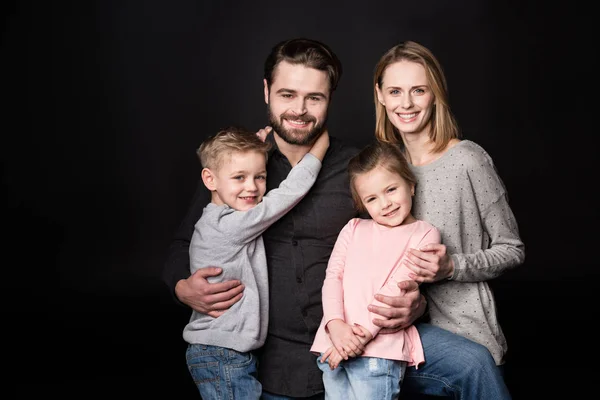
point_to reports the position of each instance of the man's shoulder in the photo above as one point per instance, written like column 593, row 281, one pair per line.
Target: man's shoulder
column 341, row 148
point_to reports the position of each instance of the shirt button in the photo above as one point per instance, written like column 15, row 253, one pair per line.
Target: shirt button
column 294, row 243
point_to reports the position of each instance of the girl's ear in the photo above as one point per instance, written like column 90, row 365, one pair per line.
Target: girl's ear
column 209, row 179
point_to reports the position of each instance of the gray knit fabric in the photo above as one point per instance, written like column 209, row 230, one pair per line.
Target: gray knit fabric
column 462, row 195
column 230, row 239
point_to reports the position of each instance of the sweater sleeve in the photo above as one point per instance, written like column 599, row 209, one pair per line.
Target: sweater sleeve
column 332, row 290
column 245, row 226
column 505, row 248
column 398, row 274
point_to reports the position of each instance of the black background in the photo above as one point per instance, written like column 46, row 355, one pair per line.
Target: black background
column 105, row 103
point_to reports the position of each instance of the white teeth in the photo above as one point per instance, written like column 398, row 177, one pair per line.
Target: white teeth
column 407, row 116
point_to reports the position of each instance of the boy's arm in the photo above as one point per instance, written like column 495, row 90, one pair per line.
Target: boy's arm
column 245, row 226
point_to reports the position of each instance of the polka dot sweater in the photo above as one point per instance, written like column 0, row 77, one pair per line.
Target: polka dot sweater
column 462, row 195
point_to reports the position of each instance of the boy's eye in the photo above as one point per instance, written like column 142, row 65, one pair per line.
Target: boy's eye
column 239, row 177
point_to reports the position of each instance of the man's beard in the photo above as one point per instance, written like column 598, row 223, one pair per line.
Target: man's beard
column 300, row 137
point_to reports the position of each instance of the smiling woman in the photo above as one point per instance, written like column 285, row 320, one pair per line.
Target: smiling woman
column 458, row 191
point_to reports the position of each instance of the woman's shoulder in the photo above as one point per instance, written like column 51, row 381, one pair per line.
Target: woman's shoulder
column 472, row 154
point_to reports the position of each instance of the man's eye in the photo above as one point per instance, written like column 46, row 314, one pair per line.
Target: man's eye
column 314, row 98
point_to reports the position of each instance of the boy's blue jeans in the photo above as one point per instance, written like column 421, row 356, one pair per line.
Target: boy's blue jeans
column 221, row 373
column 362, row 378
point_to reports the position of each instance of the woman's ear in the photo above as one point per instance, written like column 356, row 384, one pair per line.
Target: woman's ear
column 379, row 94
column 209, row 179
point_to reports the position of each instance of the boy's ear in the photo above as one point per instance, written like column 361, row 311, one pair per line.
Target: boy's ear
column 209, row 179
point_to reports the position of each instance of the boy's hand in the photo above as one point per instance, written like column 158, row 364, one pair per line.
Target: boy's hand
column 264, row 132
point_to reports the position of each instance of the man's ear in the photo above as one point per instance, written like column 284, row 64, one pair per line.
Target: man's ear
column 379, row 94
column 209, row 179
column 266, row 91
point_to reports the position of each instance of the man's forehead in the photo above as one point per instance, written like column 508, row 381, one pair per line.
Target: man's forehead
column 300, row 78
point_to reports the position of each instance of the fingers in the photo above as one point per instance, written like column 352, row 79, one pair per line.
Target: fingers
column 408, row 286
column 326, row 354
column 357, row 330
column 225, row 305
column 264, row 132
column 208, row 271
column 434, row 247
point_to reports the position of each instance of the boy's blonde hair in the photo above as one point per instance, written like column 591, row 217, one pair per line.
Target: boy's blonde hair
column 378, row 153
column 232, row 139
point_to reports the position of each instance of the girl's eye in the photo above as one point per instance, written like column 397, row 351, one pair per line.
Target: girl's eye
column 261, row 177
column 390, row 190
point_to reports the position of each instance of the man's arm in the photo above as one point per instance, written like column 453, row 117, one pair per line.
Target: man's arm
column 403, row 310
column 195, row 291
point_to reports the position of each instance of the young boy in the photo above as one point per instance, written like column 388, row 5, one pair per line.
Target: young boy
column 228, row 235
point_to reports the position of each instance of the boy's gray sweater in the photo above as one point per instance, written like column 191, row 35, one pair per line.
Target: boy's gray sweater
column 230, row 239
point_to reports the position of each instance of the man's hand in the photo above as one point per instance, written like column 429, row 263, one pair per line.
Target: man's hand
column 403, row 310
column 208, row 298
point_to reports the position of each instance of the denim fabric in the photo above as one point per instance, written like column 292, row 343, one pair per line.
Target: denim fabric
column 273, row 396
column 363, row 378
column 455, row 367
column 221, row 373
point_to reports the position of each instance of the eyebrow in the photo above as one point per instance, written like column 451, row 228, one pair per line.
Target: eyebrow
column 412, row 87
column 311, row 94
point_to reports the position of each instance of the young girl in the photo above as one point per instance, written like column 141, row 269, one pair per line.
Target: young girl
column 368, row 259
column 459, row 192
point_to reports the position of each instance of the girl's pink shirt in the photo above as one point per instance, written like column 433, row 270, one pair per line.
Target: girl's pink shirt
column 367, row 259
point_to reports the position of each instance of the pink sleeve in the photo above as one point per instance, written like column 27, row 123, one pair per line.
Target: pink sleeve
column 398, row 274
column 333, row 291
